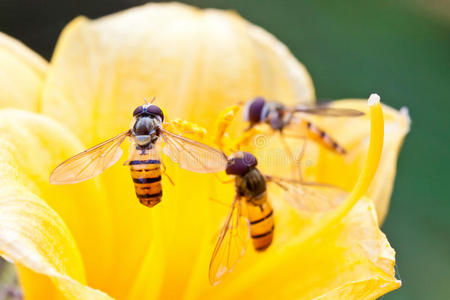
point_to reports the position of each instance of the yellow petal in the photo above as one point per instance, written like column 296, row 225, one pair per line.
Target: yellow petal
column 32, row 232
column 191, row 60
column 352, row 134
column 22, row 73
column 195, row 62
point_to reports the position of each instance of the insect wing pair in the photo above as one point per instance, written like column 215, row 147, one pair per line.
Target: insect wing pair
column 326, row 110
column 190, row 155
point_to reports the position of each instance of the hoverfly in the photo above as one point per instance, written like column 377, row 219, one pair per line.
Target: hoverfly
column 279, row 117
column 144, row 160
column 251, row 214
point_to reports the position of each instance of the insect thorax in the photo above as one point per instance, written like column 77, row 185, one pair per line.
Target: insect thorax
column 146, row 130
column 275, row 115
column 251, row 185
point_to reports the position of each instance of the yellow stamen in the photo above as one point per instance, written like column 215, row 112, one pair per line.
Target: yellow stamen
column 185, row 127
column 245, row 139
column 368, row 171
column 221, row 138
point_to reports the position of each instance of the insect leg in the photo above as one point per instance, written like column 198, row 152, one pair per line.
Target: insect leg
column 299, row 159
column 164, row 173
column 219, row 202
column 290, row 155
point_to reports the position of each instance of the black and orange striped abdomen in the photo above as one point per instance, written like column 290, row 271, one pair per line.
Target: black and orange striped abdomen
column 146, row 176
column 319, row 136
column 262, row 223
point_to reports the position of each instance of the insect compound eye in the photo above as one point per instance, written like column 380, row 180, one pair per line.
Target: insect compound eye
column 249, row 160
column 241, row 165
column 155, row 110
column 253, row 109
column 138, row 111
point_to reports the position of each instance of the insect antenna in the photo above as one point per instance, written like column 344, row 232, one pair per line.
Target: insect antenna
column 149, row 102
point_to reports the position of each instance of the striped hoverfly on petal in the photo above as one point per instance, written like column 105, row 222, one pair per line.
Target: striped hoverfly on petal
column 144, row 160
column 288, row 120
column 251, row 216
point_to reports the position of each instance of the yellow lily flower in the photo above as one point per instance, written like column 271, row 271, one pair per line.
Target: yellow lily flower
column 94, row 240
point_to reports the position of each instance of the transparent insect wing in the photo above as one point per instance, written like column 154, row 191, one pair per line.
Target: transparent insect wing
column 191, row 155
column 310, row 196
column 314, row 198
column 89, row 163
column 329, row 111
column 231, row 244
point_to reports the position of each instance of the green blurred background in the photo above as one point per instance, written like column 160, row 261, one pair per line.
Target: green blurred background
column 399, row 49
